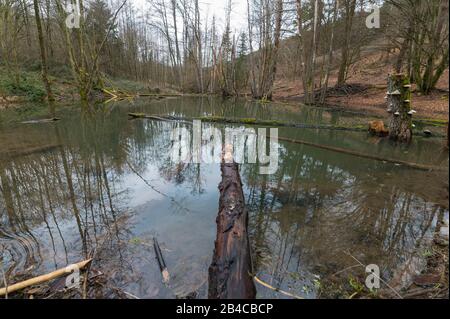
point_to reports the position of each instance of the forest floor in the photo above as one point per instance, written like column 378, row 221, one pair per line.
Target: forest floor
column 366, row 88
column 24, row 93
column 364, row 92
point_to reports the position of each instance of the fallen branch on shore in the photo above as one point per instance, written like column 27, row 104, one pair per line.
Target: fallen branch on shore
column 43, row 278
column 229, row 272
column 119, row 95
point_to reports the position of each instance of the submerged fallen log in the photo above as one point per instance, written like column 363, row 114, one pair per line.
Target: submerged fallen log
column 44, row 278
column 246, row 121
column 14, row 153
column 119, row 95
column 418, row 166
column 275, row 123
column 50, row 120
column 231, row 267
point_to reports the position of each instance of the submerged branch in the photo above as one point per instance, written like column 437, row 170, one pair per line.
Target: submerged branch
column 262, row 283
column 162, row 264
column 172, row 199
column 9, row 154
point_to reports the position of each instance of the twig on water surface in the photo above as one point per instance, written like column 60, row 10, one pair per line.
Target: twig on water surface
column 94, row 253
column 345, row 269
column 119, row 290
column 353, row 295
column 259, row 281
column 124, row 292
column 162, row 264
column 130, row 295
column 172, row 199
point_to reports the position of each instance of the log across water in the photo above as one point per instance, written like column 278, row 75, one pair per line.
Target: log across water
column 231, row 267
column 424, row 167
column 246, row 121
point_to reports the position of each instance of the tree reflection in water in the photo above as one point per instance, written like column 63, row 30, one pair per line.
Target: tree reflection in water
column 111, row 186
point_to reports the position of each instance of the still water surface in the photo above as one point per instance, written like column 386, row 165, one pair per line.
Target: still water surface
column 111, row 185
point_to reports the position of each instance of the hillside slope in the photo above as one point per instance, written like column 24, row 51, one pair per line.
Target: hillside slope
column 367, row 84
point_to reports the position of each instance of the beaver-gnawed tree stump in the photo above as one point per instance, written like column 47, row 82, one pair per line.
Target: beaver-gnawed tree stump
column 229, row 272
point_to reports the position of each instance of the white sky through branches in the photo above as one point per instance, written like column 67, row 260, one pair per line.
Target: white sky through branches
column 214, row 7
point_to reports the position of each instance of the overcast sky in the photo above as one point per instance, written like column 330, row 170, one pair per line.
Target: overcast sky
column 217, row 8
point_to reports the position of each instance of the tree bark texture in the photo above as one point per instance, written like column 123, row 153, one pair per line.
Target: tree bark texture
column 399, row 107
column 231, row 267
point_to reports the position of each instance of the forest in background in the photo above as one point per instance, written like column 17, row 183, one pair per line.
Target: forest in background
column 341, row 194
column 175, row 45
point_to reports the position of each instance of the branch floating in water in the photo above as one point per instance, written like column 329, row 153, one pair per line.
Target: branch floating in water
column 162, row 264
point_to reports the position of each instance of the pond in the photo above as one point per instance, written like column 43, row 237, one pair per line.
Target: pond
column 108, row 186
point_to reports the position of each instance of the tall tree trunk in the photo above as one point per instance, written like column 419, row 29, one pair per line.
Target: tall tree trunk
column 44, row 68
column 177, row 44
column 276, row 48
column 251, row 54
column 323, row 93
column 301, row 49
column 310, row 67
column 350, row 6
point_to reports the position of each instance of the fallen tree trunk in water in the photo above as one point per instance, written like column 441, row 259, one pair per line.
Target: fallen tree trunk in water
column 118, row 95
column 246, row 121
column 53, row 119
column 231, row 267
column 44, row 278
column 10, row 154
column 417, row 166
column 274, row 123
column 423, row 167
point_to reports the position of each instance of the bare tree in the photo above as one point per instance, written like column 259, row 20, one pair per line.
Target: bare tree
column 44, row 67
column 349, row 13
column 421, row 31
column 324, row 88
column 267, row 21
